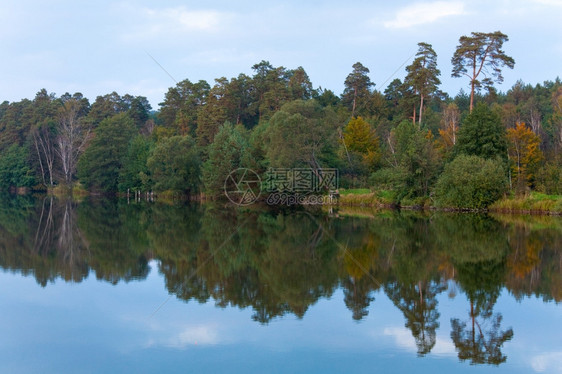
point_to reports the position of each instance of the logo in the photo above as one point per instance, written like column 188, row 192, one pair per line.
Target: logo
column 242, row 186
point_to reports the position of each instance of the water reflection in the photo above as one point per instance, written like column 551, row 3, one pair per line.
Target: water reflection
column 283, row 262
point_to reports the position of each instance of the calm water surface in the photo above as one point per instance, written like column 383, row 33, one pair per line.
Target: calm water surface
column 107, row 287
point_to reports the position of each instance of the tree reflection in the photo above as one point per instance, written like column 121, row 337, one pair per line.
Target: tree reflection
column 279, row 262
column 272, row 262
column 483, row 344
column 45, row 241
column 480, row 340
column 415, row 282
column 116, row 239
column 359, row 258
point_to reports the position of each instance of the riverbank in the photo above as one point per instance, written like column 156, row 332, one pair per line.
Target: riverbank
column 533, row 203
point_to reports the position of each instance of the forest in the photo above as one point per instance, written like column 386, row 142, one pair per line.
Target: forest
column 409, row 141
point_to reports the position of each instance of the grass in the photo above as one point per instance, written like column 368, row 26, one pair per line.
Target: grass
column 61, row 190
column 364, row 197
column 535, row 202
column 354, row 191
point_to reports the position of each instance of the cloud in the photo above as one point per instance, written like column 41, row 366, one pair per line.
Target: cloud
column 156, row 24
column 422, row 13
column 194, row 335
column 404, row 339
column 168, row 335
column 551, row 362
column 180, row 17
column 549, row 2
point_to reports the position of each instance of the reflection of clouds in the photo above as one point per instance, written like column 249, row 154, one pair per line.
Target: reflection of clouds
column 547, row 362
column 194, row 335
column 444, row 347
column 172, row 337
column 404, row 339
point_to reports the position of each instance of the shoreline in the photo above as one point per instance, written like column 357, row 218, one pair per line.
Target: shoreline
column 522, row 206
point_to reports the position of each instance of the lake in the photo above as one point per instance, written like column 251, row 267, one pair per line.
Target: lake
column 114, row 286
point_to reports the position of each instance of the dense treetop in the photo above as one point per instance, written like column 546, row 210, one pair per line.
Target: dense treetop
column 397, row 138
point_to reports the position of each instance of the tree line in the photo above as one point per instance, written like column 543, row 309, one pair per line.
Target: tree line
column 409, row 138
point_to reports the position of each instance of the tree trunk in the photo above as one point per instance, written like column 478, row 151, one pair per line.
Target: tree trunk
column 354, row 101
column 472, row 82
column 421, row 109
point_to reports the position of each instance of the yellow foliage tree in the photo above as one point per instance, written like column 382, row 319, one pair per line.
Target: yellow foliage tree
column 525, row 153
column 449, row 128
column 361, row 139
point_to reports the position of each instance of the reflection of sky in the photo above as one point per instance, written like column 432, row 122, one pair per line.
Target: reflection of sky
column 96, row 327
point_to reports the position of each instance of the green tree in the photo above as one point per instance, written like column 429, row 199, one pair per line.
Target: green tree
column 106, row 106
column 271, row 89
column 174, row 165
column 549, row 178
column 423, row 74
column 482, row 134
column 214, row 113
column 299, row 84
column 301, row 134
column 471, row 182
column 139, row 111
column 227, row 153
column 481, row 53
column 134, row 174
column 14, row 168
column 181, row 103
column 357, row 90
column 100, row 165
column 413, row 162
column 393, row 95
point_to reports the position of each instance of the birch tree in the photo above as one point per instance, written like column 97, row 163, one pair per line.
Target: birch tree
column 72, row 135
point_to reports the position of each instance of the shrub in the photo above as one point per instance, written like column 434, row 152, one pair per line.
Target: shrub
column 471, row 182
column 549, row 179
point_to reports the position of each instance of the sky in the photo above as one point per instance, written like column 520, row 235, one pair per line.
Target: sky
column 145, row 47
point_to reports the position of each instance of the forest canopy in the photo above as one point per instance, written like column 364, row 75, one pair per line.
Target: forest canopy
column 403, row 138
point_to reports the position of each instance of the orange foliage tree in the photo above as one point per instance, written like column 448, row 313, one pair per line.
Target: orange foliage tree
column 525, row 153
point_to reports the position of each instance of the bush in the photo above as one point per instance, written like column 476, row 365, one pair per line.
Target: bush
column 174, row 165
column 471, row 182
column 549, row 179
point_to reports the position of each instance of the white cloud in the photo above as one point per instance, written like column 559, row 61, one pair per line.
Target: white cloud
column 195, row 335
column 157, row 24
column 549, row 2
column 404, row 339
column 180, row 17
column 189, row 335
column 422, row 13
column 547, row 362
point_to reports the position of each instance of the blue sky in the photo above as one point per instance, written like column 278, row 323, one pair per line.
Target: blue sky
column 99, row 47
